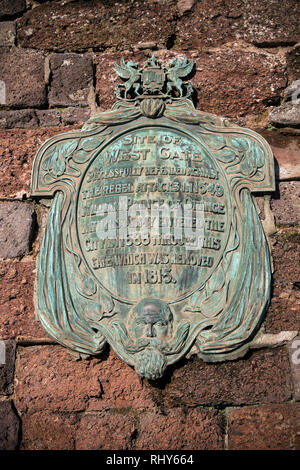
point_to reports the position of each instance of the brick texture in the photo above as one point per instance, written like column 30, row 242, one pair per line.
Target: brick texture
column 73, row 115
column 22, row 71
column 286, row 150
column 263, row 378
column 55, row 26
column 7, row 33
column 16, row 302
column 20, row 118
column 11, row 8
column 72, row 79
column 285, row 203
column 288, row 115
column 105, row 431
column 48, row 377
column 229, row 81
column 16, row 227
column 9, row 428
column 293, row 62
column 284, row 311
column 272, row 427
column 17, row 150
column 257, row 22
column 48, row 431
column 48, row 117
column 197, row 429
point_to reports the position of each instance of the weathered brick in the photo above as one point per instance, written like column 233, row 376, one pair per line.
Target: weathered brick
column 48, row 377
column 72, row 79
column 8, row 352
column 284, row 311
column 229, row 81
column 235, row 82
column 122, row 389
column 177, row 429
column 11, row 8
column 48, row 117
column 285, row 203
column 55, row 26
column 260, row 22
column 48, row 431
column 106, row 78
column 9, row 428
column 17, row 150
column 209, row 24
column 20, row 118
column 293, row 62
column 22, row 71
column 105, row 431
column 270, row 427
column 72, row 115
column 288, row 115
column 16, row 302
column 294, row 350
column 262, row 377
column 16, row 226
column 288, row 163
column 286, row 150
column 7, row 33
column 183, row 6
column 60, row 431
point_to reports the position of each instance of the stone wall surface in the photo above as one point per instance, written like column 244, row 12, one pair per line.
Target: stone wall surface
column 56, row 69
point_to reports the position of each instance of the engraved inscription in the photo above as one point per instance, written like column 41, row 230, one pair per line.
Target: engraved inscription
column 153, row 242
column 138, row 210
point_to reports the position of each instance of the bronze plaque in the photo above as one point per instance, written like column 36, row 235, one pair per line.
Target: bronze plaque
column 153, row 243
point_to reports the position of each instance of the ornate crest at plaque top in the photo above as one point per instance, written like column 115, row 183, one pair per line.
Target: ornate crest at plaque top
column 153, row 243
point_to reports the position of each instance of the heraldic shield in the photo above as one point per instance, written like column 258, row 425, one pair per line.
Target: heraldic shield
column 153, row 243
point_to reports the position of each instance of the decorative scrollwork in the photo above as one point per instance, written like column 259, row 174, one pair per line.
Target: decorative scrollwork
column 220, row 310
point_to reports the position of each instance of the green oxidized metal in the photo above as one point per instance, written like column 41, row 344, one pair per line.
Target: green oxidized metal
column 122, row 261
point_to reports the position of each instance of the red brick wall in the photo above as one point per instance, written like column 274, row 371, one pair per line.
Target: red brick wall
column 56, row 61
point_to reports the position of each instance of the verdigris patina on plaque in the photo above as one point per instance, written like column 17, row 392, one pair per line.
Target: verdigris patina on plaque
column 153, row 243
